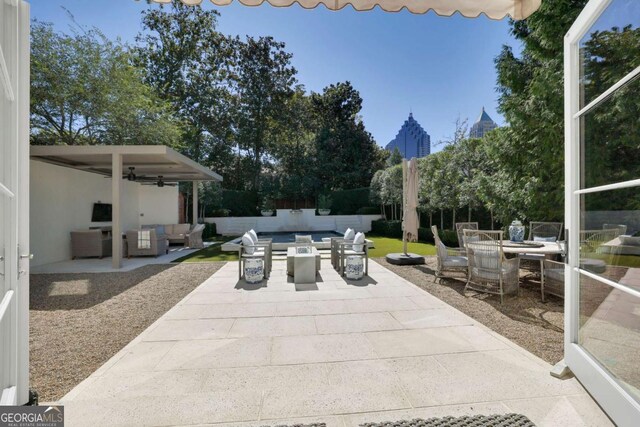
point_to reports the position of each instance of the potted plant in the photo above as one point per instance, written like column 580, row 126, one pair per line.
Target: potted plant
column 324, row 204
column 267, row 207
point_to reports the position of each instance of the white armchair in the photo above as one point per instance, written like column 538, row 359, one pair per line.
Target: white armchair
column 449, row 259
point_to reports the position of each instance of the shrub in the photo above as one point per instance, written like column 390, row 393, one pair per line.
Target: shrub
column 347, row 202
column 368, row 210
column 240, row 203
column 210, row 230
column 387, row 228
column 216, row 213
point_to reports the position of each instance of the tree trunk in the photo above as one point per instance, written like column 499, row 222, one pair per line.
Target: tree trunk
column 430, row 220
column 491, row 211
column 453, row 220
column 469, row 215
column 441, row 219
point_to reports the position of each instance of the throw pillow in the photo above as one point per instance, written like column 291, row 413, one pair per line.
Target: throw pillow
column 247, row 241
column 349, row 234
column 358, row 242
column 254, row 236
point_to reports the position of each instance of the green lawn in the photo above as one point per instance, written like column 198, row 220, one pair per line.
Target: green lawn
column 383, row 246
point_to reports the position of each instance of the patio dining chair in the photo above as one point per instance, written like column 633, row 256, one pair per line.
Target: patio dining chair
column 622, row 229
column 489, row 270
column 553, row 275
column 348, row 237
column 460, row 227
column 448, row 259
column 193, row 239
column 540, row 232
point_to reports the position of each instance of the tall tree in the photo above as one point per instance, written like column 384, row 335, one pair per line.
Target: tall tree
column 346, row 154
column 264, row 85
column 529, row 153
column 190, row 64
column 85, row 90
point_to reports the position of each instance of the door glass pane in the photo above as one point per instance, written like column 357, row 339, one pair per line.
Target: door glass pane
column 610, row 330
column 610, row 138
column 610, row 49
column 608, row 245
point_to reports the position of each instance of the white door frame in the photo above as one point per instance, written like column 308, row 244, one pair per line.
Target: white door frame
column 14, row 202
column 619, row 405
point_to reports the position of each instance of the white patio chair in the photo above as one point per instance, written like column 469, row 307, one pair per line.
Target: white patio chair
column 358, row 246
column 489, row 270
column 553, row 279
column 448, row 259
column 252, row 247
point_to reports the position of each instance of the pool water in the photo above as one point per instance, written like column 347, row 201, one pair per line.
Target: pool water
column 290, row 236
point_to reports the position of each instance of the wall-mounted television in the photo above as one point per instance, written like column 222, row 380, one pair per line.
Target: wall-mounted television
column 101, row 212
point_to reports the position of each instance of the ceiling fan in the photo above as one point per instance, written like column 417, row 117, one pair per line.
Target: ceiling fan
column 161, row 183
column 131, row 176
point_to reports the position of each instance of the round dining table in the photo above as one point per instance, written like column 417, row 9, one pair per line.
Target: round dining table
column 533, row 247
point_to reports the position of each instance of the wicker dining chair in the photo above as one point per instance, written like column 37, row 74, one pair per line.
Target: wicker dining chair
column 545, row 231
column 553, row 275
column 460, row 227
column 489, row 270
column 622, row 229
column 448, row 259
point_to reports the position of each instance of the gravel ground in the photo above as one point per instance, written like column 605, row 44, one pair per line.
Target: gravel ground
column 79, row 321
column 526, row 320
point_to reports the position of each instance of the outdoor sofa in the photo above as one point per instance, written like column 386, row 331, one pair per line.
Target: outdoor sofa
column 175, row 233
column 139, row 245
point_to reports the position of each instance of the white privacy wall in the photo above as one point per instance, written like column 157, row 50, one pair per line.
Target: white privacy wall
column 62, row 200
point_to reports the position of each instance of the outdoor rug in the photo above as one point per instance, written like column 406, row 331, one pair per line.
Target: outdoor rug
column 507, row 420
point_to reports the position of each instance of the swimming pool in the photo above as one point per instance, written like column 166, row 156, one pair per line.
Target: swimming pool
column 290, row 236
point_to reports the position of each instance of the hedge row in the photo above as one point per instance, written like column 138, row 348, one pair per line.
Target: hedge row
column 393, row 229
column 240, row 203
column 349, row 202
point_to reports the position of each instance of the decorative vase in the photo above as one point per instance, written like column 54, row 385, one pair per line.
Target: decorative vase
column 516, row 231
column 354, row 268
column 253, row 270
column 266, row 213
column 324, row 211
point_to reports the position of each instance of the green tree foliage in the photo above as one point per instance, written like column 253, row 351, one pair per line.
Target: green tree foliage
column 189, row 64
column 85, row 90
column 346, row 155
column 265, row 82
column 395, row 157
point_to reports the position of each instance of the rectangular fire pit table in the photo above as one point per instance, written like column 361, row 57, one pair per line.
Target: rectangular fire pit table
column 303, row 258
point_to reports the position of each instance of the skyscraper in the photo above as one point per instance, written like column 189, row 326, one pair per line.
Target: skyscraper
column 412, row 140
column 483, row 125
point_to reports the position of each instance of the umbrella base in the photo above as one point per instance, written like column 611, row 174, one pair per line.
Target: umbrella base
column 404, row 259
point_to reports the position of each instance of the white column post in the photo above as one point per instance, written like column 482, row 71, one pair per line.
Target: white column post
column 195, row 202
column 116, row 225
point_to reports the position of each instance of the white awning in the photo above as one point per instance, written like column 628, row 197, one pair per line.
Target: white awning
column 494, row 9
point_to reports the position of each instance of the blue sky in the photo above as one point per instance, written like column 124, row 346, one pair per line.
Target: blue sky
column 439, row 68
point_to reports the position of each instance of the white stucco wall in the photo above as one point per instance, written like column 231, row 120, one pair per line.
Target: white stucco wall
column 290, row 220
column 62, row 200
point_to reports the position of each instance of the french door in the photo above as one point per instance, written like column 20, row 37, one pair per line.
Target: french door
column 602, row 205
column 14, row 202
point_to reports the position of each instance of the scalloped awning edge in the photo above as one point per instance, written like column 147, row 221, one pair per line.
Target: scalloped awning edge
column 493, row 9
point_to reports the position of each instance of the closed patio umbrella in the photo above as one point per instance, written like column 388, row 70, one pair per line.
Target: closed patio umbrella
column 409, row 215
column 494, row 9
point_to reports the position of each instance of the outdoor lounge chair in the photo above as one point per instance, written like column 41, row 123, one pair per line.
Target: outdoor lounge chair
column 139, row 245
column 358, row 246
column 449, row 259
column 348, row 236
column 253, row 248
column 489, row 270
column 460, row 227
column 89, row 243
column 193, row 239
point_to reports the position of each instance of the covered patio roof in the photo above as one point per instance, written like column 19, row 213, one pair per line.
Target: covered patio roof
column 149, row 161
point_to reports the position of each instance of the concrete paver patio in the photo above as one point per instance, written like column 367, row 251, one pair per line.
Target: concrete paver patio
column 340, row 352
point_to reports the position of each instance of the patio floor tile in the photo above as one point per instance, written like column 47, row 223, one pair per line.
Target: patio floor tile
column 566, row 411
column 210, row 354
column 320, row 348
column 189, row 329
column 431, row 318
column 273, row 327
column 356, row 322
column 222, row 311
